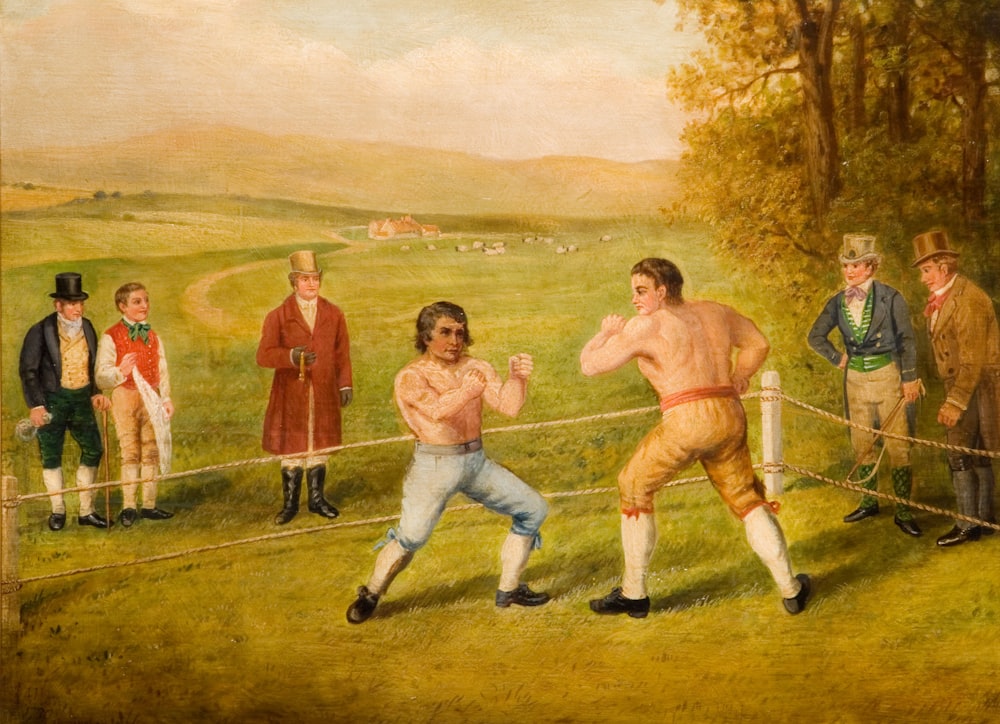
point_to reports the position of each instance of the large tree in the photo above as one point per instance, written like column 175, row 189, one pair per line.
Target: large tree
column 817, row 117
column 967, row 37
column 751, row 45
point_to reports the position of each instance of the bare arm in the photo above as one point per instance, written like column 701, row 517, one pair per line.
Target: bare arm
column 753, row 349
column 508, row 397
column 616, row 344
column 414, row 391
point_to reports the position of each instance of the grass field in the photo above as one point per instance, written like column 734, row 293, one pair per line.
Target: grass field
column 897, row 631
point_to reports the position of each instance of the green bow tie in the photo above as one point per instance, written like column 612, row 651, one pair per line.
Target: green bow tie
column 139, row 329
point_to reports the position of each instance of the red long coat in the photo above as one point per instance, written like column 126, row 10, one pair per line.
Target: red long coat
column 286, row 423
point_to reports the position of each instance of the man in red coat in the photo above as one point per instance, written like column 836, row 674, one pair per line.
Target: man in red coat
column 305, row 342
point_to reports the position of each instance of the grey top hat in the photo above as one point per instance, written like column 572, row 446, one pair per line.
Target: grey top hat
column 69, row 287
column 858, row 248
column 931, row 243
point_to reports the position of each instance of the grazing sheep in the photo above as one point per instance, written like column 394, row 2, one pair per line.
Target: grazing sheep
column 477, row 245
column 571, row 247
column 498, row 245
column 431, row 247
column 491, row 252
column 461, row 247
column 404, row 247
column 560, row 249
column 606, row 237
column 548, row 240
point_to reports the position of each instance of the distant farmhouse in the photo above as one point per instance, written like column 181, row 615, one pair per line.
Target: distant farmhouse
column 405, row 227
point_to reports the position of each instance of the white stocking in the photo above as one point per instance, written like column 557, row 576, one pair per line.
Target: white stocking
column 84, row 479
column 638, row 543
column 53, row 480
column 514, row 559
column 768, row 542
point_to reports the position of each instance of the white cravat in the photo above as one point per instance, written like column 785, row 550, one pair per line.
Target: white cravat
column 857, row 306
column 71, row 329
column 308, row 309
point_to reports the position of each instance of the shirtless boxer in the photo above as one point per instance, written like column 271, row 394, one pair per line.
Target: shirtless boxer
column 440, row 396
column 685, row 350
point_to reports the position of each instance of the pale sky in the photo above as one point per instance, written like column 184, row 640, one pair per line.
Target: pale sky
column 500, row 78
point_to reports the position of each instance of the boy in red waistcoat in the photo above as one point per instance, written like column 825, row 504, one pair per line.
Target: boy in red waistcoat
column 131, row 362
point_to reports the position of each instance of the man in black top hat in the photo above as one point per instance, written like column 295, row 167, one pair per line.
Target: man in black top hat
column 57, row 377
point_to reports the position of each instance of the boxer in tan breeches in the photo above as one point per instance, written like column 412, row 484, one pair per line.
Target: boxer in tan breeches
column 686, row 351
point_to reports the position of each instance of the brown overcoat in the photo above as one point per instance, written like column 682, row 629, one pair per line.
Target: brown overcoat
column 286, row 422
column 966, row 345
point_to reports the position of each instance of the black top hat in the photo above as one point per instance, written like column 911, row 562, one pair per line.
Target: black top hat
column 68, row 288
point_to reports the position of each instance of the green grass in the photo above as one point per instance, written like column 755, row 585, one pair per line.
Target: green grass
column 256, row 633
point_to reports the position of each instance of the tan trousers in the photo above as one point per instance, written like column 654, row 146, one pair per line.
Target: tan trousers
column 870, row 398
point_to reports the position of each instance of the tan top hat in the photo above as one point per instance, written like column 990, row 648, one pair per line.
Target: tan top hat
column 931, row 243
column 858, row 248
column 304, row 262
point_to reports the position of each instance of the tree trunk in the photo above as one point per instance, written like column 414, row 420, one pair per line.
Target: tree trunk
column 974, row 138
column 821, row 144
column 859, row 75
column 898, row 91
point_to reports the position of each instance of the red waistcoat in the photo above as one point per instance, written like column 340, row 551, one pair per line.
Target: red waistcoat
column 147, row 355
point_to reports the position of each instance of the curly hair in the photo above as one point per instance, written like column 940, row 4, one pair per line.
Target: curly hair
column 427, row 320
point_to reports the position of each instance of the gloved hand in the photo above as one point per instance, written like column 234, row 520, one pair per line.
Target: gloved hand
column 298, row 352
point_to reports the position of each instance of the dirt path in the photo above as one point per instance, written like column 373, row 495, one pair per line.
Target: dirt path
column 195, row 300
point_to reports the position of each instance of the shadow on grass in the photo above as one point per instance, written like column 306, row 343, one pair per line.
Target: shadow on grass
column 439, row 595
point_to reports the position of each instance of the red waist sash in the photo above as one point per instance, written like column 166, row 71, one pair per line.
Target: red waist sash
column 697, row 393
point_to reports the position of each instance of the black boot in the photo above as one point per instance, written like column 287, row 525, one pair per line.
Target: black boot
column 291, row 486
column 317, row 503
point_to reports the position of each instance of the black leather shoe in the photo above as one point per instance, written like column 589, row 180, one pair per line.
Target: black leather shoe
column 615, row 602
column 363, row 607
column 797, row 604
column 957, row 536
column 860, row 514
column 95, row 520
column 128, row 516
column 57, row 521
column 909, row 527
column 155, row 514
column 522, row 596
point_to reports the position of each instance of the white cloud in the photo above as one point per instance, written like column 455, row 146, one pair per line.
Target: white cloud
column 87, row 72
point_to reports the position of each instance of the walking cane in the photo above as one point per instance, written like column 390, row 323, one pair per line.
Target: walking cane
column 107, row 468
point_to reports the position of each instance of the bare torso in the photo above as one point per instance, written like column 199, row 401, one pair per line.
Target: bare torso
column 681, row 347
column 442, row 404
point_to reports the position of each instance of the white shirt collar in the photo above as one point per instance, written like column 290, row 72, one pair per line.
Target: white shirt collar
column 947, row 287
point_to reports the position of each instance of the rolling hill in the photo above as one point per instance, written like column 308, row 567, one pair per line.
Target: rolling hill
column 226, row 160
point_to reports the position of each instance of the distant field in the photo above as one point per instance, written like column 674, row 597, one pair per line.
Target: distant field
column 256, row 633
column 19, row 198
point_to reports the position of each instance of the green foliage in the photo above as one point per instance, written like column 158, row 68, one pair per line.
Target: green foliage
column 746, row 169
